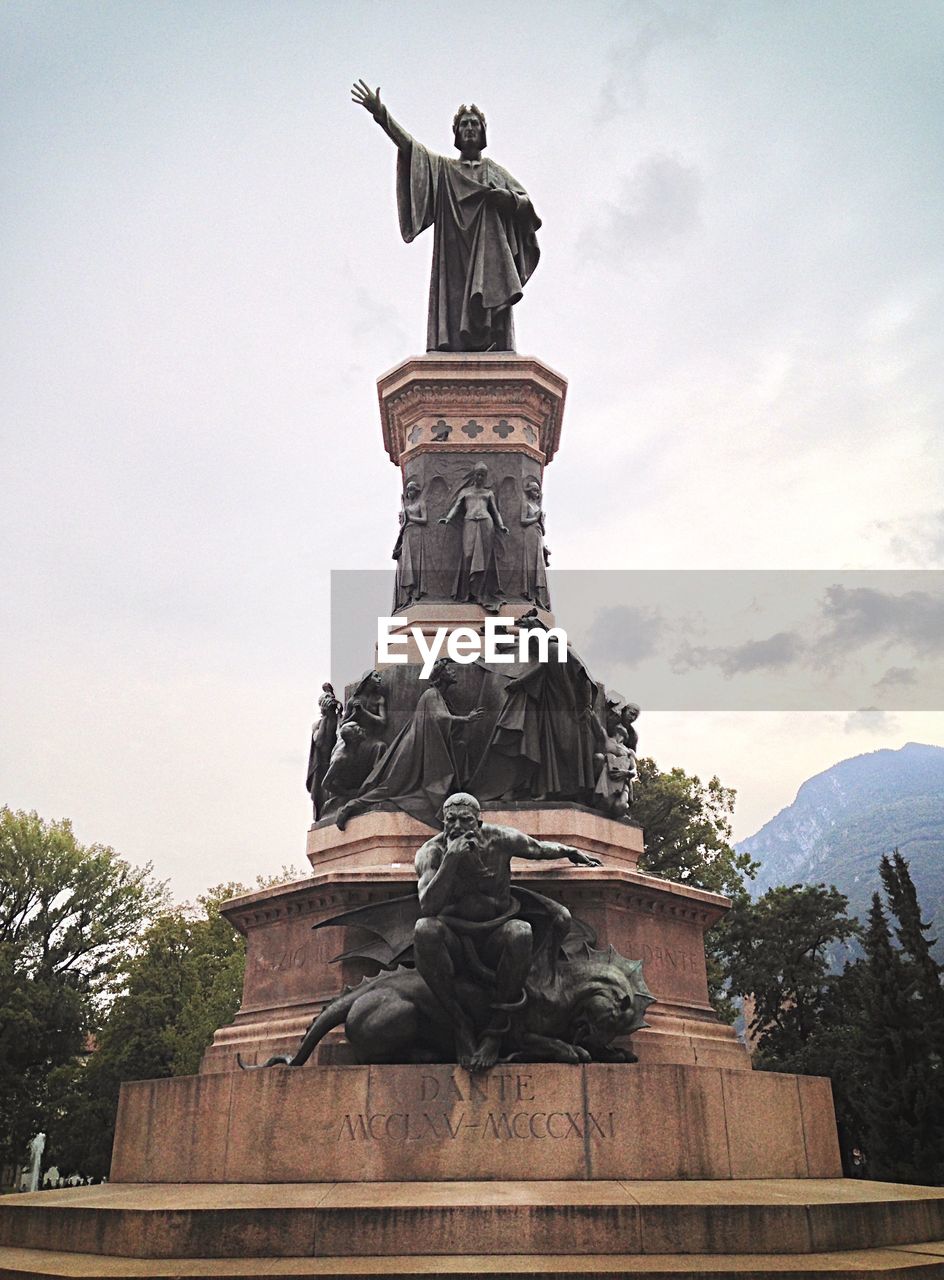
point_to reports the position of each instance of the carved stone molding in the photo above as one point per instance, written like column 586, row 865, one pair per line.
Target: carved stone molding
column 476, row 401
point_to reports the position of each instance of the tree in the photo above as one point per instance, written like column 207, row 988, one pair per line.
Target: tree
column 687, row 829
column 67, row 912
column 182, row 981
column 778, row 954
column 687, row 826
column 873, row 1029
column 902, row 1098
column 911, row 931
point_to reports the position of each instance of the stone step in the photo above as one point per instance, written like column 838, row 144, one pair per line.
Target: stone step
column 925, row 1262
column 370, row 1220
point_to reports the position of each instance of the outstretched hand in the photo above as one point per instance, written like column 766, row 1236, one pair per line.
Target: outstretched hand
column 365, row 97
column 581, row 859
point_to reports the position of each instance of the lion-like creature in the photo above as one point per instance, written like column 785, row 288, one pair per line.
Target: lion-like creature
column 591, row 999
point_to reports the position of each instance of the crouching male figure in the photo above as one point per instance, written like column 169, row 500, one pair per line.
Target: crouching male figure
column 468, row 930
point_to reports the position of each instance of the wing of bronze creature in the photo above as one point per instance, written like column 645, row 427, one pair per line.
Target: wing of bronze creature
column 580, row 941
column 537, row 910
column 391, row 923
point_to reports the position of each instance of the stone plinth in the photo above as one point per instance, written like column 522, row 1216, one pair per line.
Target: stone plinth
column 608, row 1229
column 471, row 403
column 434, row 1123
column 390, row 837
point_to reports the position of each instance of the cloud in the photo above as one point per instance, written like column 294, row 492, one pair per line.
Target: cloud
column 870, row 720
column 658, row 205
column 654, row 27
column 916, row 539
column 857, row 616
column 771, row 654
column 625, row 634
column 896, row 677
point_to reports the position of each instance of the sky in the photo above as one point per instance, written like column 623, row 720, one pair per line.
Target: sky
column 742, row 278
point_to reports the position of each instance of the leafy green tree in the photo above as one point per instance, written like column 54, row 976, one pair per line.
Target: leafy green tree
column 778, row 955
column 872, row 1028
column 687, row 829
column 67, row 913
column 687, row 826
column 183, row 981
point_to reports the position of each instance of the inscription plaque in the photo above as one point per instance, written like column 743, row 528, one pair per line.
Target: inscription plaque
column 503, row 1106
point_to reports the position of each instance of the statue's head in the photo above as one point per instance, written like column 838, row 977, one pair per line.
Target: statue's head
column 468, row 128
column 630, row 712
column 461, row 812
column 371, row 684
column 413, row 489
column 351, row 733
column 443, row 673
column 532, row 487
column 480, row 473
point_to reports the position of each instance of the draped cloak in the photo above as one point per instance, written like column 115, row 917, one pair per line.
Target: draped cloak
column 481, row 258
column 419, row 768
column 542, row 746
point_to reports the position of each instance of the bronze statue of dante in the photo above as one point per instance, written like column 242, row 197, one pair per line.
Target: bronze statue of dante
column 484, row 230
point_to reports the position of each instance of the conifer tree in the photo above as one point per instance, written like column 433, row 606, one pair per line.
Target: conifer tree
column 902, row 1103
column 912, row 931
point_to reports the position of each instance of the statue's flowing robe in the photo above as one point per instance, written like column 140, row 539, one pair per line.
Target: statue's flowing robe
column 409, row 582
column 419, row 768
column 534, row 564
column 481, row 258
column 541, row 746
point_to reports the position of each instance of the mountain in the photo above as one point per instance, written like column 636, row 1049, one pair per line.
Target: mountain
column 843, row 820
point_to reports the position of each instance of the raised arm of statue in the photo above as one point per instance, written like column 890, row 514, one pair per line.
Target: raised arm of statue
column 519, row 845
column 369, row 99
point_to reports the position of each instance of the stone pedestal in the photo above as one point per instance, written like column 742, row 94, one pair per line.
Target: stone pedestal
column 439, row 1123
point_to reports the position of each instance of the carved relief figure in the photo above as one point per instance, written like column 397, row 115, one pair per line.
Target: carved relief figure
column 534, row 554
column 410, row 584
column 477, row 576
column 484, row 242
column 420, row 767
column 360, row 742
column 352, row 760
column 616, row 765
column 367, row 705
column 324, row 733
column 628, row 718
column 542, row 745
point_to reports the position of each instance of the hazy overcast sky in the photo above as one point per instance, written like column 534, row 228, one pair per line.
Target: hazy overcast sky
column 202, row 277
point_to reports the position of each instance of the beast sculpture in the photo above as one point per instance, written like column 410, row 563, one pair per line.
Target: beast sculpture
column 394, row 1017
